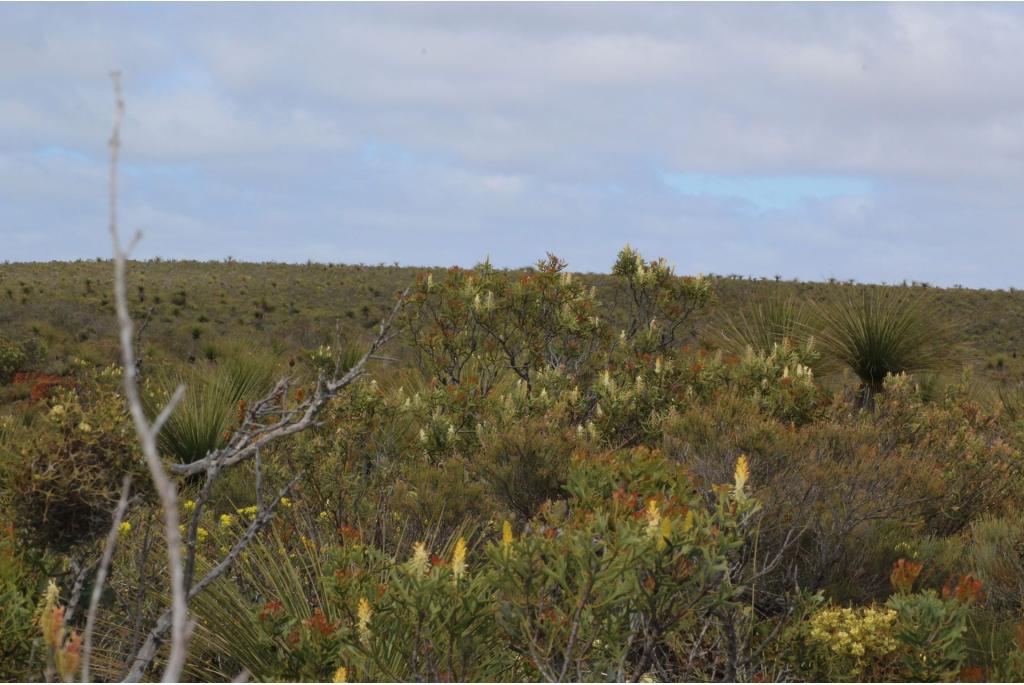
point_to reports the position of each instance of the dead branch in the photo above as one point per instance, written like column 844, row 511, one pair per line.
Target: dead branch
column 267, row 421
column 101, row 577
column 146, row 432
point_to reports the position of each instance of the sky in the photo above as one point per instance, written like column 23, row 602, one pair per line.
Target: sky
column 875, row 142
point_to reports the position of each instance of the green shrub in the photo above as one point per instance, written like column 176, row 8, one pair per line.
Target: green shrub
column 61, row 475
column 995, row 551
column 12, row 360
column 661, row 303
column 932, row 629
column 524, row 464
column 632, row 556
column 18, row 599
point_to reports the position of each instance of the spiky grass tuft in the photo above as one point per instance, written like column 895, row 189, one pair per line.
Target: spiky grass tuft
column 883, row 332
column 210, row 406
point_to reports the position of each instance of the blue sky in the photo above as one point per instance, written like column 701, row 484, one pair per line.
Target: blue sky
column 878, row 142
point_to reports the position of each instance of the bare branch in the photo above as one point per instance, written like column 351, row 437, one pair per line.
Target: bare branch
column 165, row 413
column 147, row 436
column 76, row 590
column 101, row 576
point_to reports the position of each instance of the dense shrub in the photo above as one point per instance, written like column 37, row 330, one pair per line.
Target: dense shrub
column 61, row 469
column 18, row 594
column 549, row 482
column 12, row 360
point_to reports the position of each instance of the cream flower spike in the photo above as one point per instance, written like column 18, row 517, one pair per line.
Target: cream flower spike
column 742, row 473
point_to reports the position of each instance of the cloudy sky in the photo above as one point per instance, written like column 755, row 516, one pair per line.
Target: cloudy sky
column 874, row 142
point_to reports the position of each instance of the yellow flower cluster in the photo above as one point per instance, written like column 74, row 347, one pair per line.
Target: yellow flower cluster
column 364, row 614
column 862, row 635
column 659, row 528
column 742, row 474
column 419, row 565
column 201, row 533
column 506, row 534
column 459, row 559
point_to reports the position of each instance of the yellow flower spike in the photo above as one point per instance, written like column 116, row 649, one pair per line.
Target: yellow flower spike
column 364, row 613
column 688, row 521
column 653, row 515
column 459, row 559
column 665, row 533
column 340, row 676
column 51, row 617
column 420, row 562
column 506, row 534
column 742, row 473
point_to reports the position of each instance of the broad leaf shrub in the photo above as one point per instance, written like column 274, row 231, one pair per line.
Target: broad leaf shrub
column 19, row 587
column 595, row 586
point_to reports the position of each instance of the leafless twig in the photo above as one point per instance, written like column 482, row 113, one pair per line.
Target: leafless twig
column 101, row 577
column 147, row 432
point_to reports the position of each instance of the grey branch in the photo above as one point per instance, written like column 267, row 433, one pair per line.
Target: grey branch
column 101, row 577
column 144, row 430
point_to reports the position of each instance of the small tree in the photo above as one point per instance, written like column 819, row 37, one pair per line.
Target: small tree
column 661, row 301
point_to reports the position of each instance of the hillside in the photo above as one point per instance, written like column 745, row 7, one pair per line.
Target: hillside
column 200, row 309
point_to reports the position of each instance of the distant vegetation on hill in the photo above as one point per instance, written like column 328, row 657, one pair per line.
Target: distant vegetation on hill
column 196, row 310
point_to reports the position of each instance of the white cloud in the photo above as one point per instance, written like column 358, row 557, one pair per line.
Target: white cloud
column 520, row 128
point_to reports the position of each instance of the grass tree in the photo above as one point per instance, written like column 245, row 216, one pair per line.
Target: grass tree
column 773, row 321
column 881, row 332
column 216, row 397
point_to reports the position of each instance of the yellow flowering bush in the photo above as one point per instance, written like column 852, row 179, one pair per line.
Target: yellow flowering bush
column 847, row 643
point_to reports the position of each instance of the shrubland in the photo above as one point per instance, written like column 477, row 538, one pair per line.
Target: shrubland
column 545, row 476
